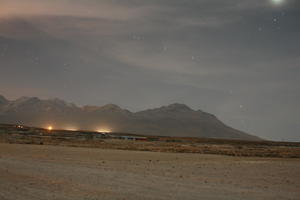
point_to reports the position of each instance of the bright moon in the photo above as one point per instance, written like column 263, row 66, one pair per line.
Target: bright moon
column 277, row 2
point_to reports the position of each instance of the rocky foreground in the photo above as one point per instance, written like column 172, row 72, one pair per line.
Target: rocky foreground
column 31, row 172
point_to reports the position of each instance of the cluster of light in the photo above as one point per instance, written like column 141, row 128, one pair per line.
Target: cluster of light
column 72, row 128
column 103, row 130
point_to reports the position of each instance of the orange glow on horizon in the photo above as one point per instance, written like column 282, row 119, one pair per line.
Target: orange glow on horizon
column 70, row 128
column 50, row 128
column 102, row 130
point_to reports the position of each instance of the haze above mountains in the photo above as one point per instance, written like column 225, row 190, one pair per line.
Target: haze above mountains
column 172, row 120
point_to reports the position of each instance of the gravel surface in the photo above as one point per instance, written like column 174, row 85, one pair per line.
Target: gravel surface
column 31, row 172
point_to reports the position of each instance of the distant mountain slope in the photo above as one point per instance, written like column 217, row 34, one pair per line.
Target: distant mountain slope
column 172, row 120
column 3, row 100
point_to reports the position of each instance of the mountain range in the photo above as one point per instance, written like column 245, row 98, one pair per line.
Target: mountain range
column 172, row 120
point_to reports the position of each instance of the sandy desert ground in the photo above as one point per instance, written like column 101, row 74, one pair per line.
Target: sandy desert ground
column 31, row 172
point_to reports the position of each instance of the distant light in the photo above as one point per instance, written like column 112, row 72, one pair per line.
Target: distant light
column 50, row 128
column 103, row 131
column 71, row 129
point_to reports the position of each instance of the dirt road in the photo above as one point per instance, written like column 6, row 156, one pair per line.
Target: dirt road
column 31, row 172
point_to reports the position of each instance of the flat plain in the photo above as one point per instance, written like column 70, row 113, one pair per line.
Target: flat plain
column 32, row 172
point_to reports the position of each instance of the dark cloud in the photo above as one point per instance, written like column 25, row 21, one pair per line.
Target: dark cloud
column 237, row 59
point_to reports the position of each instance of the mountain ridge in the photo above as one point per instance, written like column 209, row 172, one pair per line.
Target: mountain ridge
column 172, row 120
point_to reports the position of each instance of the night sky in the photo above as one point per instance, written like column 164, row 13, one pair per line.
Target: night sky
column 237, row 59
